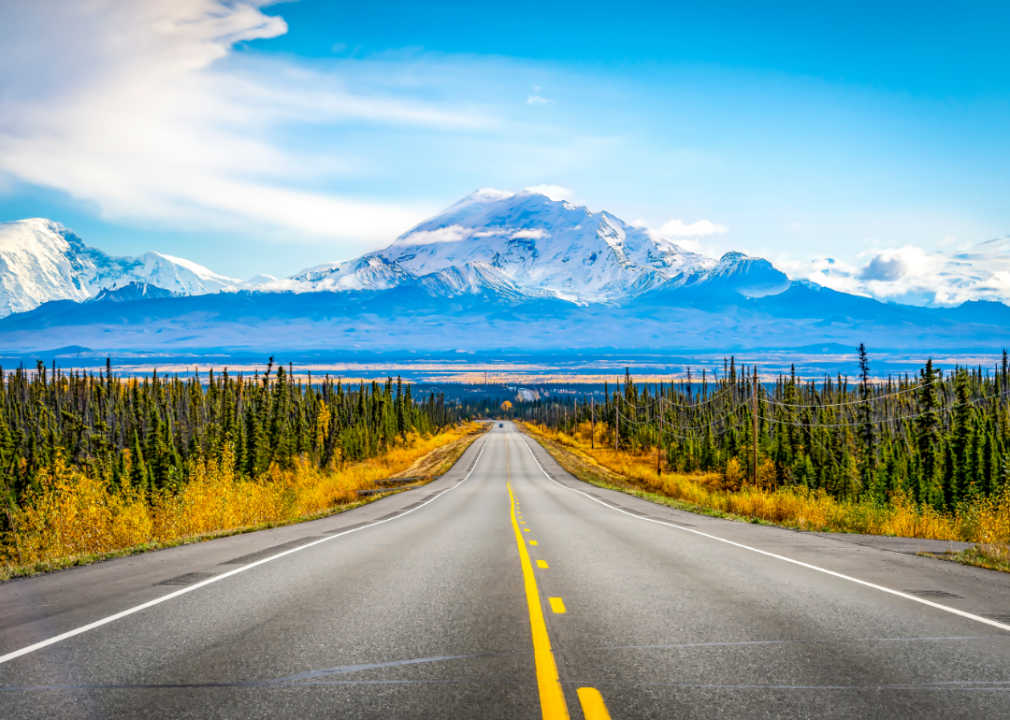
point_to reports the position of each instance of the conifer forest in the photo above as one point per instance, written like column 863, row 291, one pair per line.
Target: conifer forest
column 937, row 439
column 91, row 462
column 147, row 433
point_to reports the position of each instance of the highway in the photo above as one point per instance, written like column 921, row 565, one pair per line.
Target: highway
column 509, row 589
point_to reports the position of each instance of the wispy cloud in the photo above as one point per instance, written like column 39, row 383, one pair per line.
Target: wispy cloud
column 680, row 229
column 687, row 236
column 537, row 100
column 156, row 118
column 554, row 192
column 536, row 234
column 912, row 275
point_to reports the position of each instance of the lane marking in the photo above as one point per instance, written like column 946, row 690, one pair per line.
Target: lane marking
column 552, row 697
column 593, row 706
column 533, row 542
column 896, row 593
column 557, row 605
column 526, row 529
column 217, row 578
column 542, row 564
column 746, row 643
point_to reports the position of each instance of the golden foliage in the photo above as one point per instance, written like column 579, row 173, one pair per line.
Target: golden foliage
column 733, row 478
column 986, row 522
column 72, row 513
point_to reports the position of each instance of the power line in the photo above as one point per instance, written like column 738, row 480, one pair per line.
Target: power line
column 671, row 403
column 857, row 423
column 857, row 402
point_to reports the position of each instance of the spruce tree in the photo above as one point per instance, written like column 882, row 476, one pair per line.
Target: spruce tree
column 927, row 425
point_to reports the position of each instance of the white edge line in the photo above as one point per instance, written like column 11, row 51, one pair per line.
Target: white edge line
column 930, row 603
column 157, row 601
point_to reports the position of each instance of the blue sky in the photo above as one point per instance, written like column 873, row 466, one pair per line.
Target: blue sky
column 263, row 139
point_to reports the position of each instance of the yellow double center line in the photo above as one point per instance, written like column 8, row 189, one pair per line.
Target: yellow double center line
column 552, row 698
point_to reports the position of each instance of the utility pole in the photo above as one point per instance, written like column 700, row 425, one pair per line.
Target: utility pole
column 592, row 423
column 659, row 448
column 617, row 419
column 754, row 416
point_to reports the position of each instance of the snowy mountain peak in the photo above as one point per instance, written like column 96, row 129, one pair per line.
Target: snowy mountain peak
column 131, row 291
column 497, row 245
column 748, row 276
column 546, row 247
column 40, row 260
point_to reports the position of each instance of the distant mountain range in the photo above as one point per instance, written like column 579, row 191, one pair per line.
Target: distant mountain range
column 495, row 270
column 41, row 260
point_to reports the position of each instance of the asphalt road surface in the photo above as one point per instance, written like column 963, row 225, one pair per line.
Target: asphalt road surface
column 509, row 589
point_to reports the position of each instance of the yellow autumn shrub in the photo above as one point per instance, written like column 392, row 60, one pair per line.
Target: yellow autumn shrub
column 986, row 522
column 71, row 513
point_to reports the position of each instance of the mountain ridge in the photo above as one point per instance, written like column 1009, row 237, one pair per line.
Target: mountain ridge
column 544, row 245
column 41, row 261
column 494, row 270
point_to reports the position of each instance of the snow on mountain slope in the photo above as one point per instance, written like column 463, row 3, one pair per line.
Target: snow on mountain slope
column 130, row 292
column 175, row 274
column 543, row 245
column 475, row 279
column 41, row 261
column 748, row 276
column 499, row 246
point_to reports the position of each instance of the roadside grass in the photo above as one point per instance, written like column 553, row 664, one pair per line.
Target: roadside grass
column 586, row 468
column 990, row 557
column 78, row 520
column 986, row 523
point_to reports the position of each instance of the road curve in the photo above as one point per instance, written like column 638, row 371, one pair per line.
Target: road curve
column 509, row 589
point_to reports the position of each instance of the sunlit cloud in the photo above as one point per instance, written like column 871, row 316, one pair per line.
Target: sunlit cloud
column 916, row 276
column 554, row 192
column 680, row 229
column 156, row 118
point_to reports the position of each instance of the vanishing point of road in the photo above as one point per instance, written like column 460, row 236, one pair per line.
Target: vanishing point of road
column 509, row 589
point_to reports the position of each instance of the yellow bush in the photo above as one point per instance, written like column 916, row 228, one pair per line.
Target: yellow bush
column 72, row 513
column 733, row 477
column 987, row 522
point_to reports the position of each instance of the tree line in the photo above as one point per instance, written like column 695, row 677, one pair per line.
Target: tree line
column 939, row 439
column 148, row 431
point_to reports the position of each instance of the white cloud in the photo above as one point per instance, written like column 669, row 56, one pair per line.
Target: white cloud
column 678, row 228
column 912, row 275
column 143, row 109
column 492, row 194
column 698, row 246
column 452, row 233
column 689, row 241
column 537, row 100
column 536, row 234
column 554, row 192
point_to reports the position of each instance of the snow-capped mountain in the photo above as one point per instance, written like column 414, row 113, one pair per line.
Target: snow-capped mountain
column 130, row 292
column 496, row 270
column 748, row 276
column 41, row 260
column 502, row 247
column 539, row 245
